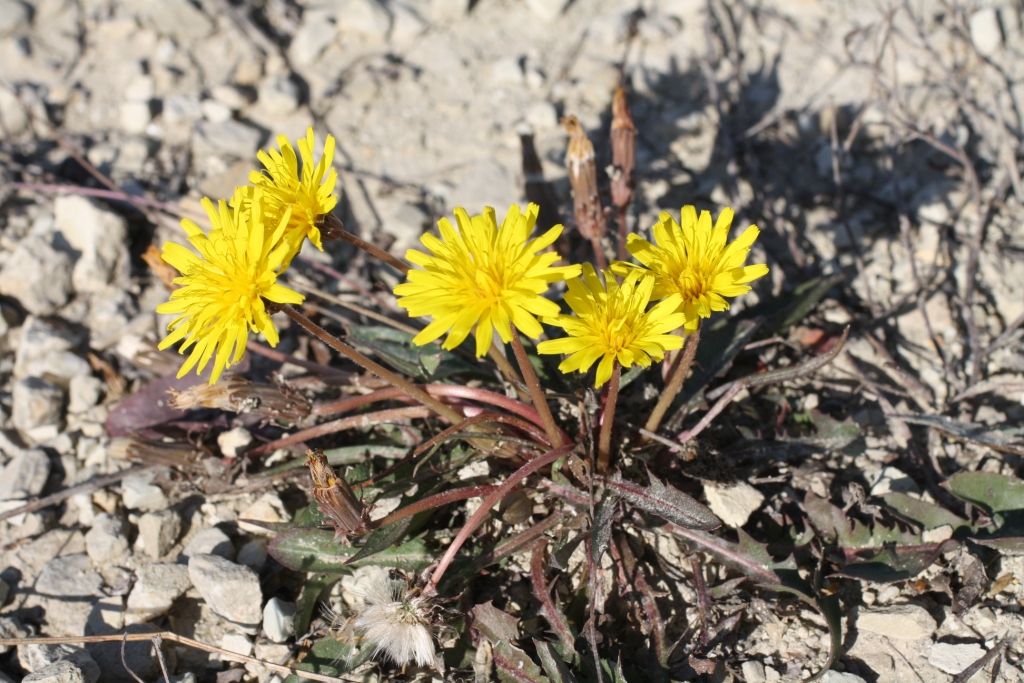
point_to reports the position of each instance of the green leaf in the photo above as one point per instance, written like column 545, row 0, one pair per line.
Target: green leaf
column 494, row 624
column 928, row 515
column 829, row 433
column 798, row 303
column 895, row 563
column 309, row 599
column 314, row 550
column 426, row 363
column 553, row 665
column 346, row 455
column 834, row 525
column 330, row 656
column 666, row 502
column 990, row 491
column 513, row 666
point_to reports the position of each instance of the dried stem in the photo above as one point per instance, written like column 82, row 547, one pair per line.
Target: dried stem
column 174, row 638
column 348, row 352
column 331, row 228
column 604, row 441
column 540, row 401
column 335, row 426
column 485, row 508
column 675, row 383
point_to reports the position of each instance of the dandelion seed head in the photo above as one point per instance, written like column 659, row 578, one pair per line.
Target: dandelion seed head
column 395, row 621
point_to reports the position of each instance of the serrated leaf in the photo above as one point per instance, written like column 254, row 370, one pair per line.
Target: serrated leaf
column 553, row 665
column 601, row 530
column 990, row 491
column 928, row 515
column 666, row 502
column 314, row 550
column 513, row 666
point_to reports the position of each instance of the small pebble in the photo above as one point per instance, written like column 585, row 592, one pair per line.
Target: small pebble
column 279, row 620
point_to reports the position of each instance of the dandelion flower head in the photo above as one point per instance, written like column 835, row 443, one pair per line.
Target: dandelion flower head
column 395, row 621
column 694, row 261
column 484, row 277
column 223, row 288
column 307, row 190
column 612, row 323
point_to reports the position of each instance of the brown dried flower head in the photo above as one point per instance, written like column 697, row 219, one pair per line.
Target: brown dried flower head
column 346, row 513
column 582, row 164
column 623, row 138
column 239, row 395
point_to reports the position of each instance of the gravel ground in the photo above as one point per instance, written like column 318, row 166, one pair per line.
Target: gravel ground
column 876, row 141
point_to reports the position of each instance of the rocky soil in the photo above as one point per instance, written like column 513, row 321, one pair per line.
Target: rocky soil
column 880, row 141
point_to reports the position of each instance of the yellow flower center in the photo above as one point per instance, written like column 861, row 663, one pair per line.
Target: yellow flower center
column 692, row 284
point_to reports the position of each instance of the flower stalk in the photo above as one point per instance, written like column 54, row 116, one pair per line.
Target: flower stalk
column 331, row 228
column 604, row 441
column 540, row 400
column 675, row 382
column 407, row 387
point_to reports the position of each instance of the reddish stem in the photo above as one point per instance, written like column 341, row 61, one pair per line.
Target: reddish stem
column 485, row 508
column 434, row 502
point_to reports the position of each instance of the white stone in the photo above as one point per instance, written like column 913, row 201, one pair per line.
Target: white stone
column 901, row 622
column 986, row 34
column 447, row 10
column 62, row 671
column 156, row 589
column 279, row 620
column 253, row 554
column 37, row 275
column 238, row 643
column 546, row 10
column 278, row 96
column 231, row 590
column 210, row 540
column 135, row 117
column 106, row 542
column 234, row 441
column 366, row 18
column 36, row 403
column 25, row 475
column 406, row 22
column 179, row 19
column 138, row 493
column 953, row 658
column 267, row 508
column 158, row 532
column 232, row 138
column 889, row 479
column 98, row 234
column 753, row 671
column 542, row 116
column 318, row 30
column 733, row 504
column 14, row 17
column 840, row 677
column 69, row 576
column 84, row 392
column 505, row 72
column 214, row 111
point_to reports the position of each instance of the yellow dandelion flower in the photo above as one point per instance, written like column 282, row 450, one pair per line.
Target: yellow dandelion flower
column 612, row 323
column 308, row 191
column 483, row 276
column 223, row 289
column 694, row 261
